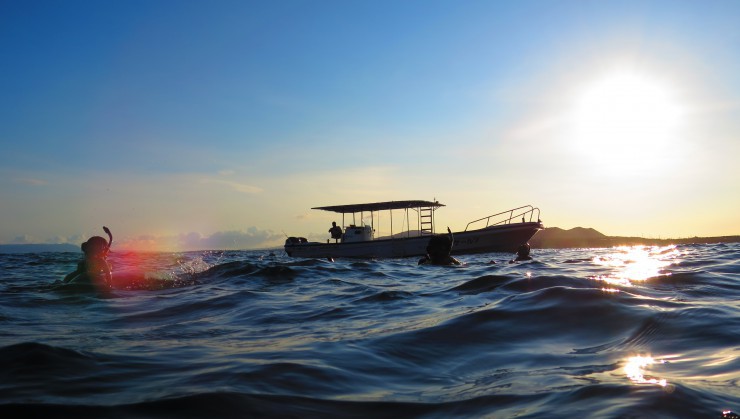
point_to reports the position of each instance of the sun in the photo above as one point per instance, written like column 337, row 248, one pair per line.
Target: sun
column 625, row 122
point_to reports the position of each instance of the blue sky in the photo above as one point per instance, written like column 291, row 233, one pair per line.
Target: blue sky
column 185, row 124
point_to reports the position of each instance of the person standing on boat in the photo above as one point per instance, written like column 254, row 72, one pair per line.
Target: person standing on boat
column 439, row 249
column 335, row 231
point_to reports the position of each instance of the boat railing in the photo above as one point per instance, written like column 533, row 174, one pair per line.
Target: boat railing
column 526, row 213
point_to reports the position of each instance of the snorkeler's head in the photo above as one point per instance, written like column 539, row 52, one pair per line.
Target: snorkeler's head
column 95, row 246
column 439, row 247
column 523, row 250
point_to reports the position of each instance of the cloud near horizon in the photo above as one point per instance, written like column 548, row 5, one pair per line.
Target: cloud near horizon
column 252, row 238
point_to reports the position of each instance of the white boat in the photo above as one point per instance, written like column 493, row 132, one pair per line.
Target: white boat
column 501, row 232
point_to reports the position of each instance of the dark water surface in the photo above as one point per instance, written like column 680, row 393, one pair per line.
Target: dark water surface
column 638, row 332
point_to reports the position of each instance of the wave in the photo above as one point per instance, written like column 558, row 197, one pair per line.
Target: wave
column 386, row 296
column 29, row 359
column 680, row 402
column 482, row 284
column 247, row 335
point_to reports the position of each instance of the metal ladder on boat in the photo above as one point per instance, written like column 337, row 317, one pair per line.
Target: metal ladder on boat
column 426, row 221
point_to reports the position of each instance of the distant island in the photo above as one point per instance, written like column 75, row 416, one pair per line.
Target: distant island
column 557, row 238
column 39, row 248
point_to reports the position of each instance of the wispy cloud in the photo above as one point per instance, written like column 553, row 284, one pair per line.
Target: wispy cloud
column 239, row 187
column 31, row 181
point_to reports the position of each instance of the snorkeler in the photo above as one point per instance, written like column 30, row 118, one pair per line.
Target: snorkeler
column 94, row 269
column 522, row 254
column 439, row 249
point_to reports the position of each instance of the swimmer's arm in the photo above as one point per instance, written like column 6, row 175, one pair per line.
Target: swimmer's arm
column 70, row 276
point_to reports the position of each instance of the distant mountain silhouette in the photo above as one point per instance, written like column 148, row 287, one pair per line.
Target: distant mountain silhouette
column 557, row 238
column 38, row 248
column 549, row 238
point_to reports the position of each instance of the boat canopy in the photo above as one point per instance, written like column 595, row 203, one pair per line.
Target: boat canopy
column 380, row 206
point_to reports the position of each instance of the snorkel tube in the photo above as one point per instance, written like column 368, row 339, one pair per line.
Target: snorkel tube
column 110, row 237
column 108, row 274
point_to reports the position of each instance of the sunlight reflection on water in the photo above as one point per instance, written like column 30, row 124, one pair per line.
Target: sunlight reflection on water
column 636, row 263
column 636, row 367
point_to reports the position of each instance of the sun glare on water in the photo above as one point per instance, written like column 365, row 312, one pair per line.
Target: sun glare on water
column 628, row 265
column 635, row 370
column 625, row 121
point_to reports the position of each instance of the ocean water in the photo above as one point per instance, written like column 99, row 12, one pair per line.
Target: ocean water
column 633, row 332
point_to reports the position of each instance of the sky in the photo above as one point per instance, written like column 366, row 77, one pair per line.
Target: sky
column 187, row 125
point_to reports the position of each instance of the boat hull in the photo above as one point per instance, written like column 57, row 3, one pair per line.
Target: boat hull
column 500, row 238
